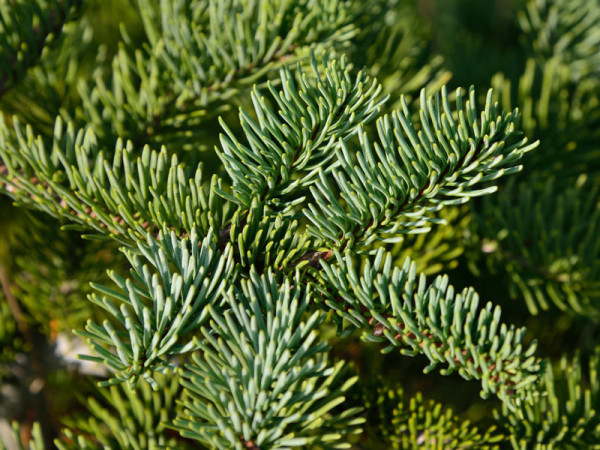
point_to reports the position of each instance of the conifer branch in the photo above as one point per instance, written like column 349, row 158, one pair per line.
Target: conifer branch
column 165, row 93
column 564, row 29
column 391, row 305
column 125, row 198
column 124, row 417
column 164, row 301
column 231, row 283
column 552, row 254
column 393, row 183
column 571, row 125
column 399, row 421
column 262, row 379
column 262, row 239
column 26, row 27
column 285, row 149
column 564, row 414
column 157, row 120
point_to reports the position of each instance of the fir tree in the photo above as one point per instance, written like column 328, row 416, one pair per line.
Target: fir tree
column 236, row 213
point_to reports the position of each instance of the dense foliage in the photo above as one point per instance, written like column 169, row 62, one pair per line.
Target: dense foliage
column 227, row 224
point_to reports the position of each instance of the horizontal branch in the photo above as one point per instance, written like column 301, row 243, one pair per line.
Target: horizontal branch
column 391, row 305
column 125, row 198
column 389, row 187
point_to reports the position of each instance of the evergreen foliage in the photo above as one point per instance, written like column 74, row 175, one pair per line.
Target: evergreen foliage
column 447, row 327
column 413, row 422
column 551, row 250
column 209, row 201
column 153, row 332
column 122, row 417
column 26, row 28
column 566, row 416
column 264, row 379
column 199, row 55
column 564, row 29
column 395, row 183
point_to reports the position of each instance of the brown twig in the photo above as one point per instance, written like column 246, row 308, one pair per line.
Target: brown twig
column 250, row 445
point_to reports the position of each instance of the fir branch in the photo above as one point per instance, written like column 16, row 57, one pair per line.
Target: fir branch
column 124, row 198
column 164, row 93
column 564, row 415
column 399, row 421
column 569, row 126
column 263, row 239
column 395, row 182
column 49, row 88
column 564, row 29
column 26, row 27
column 390, row 45
column 285, row 149
column 153, row 127
column 127, row 418
column 155, row 311
column 224, row 37
column 262, row 379
column 391, row 305
column 552, row 254
column 439, row 250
